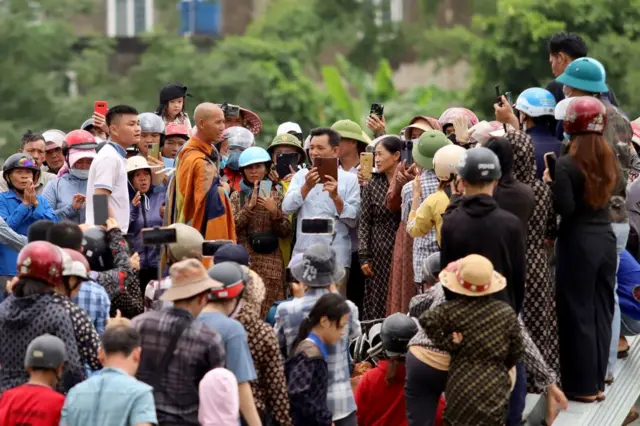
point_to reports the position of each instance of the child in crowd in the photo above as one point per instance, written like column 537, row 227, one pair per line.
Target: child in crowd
column 306, row 370
column 425, row 216
column 380, row 393
column 219, row 403
column 484, row 339
column 36, row 402
column 172, row 104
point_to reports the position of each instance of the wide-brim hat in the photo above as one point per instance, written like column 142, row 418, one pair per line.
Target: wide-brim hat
column 286, row 139
column 188, row 278
column 138, row 163
column 318, row 267
column 433, row 123
column 250, row 120
column 472, row 276
column 351, row 130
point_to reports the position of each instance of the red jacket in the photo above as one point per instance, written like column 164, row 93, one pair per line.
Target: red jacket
column 380, row 404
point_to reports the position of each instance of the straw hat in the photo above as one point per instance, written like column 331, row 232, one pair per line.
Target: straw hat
column 138, row 162
column 188, row 278
column 472, row 276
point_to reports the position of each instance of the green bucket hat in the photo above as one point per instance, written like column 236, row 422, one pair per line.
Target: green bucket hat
column 287, row 140
column 428, row 144
column 350, row 130
column 585, row 74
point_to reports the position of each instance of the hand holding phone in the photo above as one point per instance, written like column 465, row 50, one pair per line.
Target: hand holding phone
column 285, row 162
column 406, row 154
column 326, row 167
column 377, row 110
column 154, row 150
column 158, row 236
column 317, row 226
column 265, row 188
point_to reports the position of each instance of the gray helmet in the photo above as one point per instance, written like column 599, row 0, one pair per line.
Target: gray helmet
column 397, row 331
column 431, row 268
column 188, row 243
column 151, row 123
column 46, row 352
column 479, row 164
column 87, row 124
column 239, row 137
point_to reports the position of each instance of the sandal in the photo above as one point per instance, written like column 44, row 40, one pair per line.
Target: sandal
column 623, row 348
column 608, row 380
column 631, row 417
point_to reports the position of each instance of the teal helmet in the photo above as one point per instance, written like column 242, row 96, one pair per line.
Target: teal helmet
column 586, row 74
column 254, row 155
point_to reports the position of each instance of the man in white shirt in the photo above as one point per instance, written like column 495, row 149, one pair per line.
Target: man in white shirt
column 338, row 200
column 108, row 172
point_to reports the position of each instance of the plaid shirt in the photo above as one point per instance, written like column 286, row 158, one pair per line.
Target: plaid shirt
column 422, row 247
column 95, row 301
column 289, row 316
column 199, row 350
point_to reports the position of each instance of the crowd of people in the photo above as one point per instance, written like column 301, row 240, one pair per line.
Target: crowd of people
column 427, row 278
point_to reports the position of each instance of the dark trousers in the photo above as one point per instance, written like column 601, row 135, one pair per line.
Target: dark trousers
column 518, row 397
column 146, row 275
column 422, row 390
column 585, row 275
column 355, row 286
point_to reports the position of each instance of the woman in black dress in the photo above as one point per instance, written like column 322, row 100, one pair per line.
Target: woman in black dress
column 586, row 250
column 378, row 227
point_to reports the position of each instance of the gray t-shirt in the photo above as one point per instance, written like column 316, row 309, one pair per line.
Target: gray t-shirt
column 234, row 337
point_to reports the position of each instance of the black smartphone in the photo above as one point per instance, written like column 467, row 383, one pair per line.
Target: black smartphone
column 499, row 94
column 230, row 111
column 406, row 155
column 377, row 109
column 322, row 226
column 209, row 248
column 100, row 209
column 286, row 161
column 550, row 160
column 158, row 236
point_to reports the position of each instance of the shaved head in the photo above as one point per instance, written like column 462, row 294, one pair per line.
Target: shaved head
column 209, row 120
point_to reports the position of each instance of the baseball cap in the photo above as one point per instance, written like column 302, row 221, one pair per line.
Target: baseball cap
column 232, row 253
column 288, row 127
column 53, row 138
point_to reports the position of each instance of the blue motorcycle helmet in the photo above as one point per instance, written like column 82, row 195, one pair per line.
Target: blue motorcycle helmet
column 254, row 155
column 536, row 102
column 586, row 74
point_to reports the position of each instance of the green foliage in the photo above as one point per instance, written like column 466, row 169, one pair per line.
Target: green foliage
column 510, row 47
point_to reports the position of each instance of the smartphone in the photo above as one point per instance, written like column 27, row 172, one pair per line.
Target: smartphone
column 284, row 163
column 265, row 188
column 366, row 165
column 406, row 155
column 327, row 166
column 318, row 226
column 158, row 236
column 550, row 161
column 100, row 209
column 509, row 98
column 230, row 111
column 377, row 109
column 154, row 150
column 499, row 94
column 101, row 107
column 209, row 248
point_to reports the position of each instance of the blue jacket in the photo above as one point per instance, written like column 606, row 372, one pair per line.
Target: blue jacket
column 60, row 192
column 147, row 219
column 543, row 141
column 19, row 217
column 628, row 280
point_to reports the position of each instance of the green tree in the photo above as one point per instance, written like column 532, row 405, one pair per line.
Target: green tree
column 510, row 47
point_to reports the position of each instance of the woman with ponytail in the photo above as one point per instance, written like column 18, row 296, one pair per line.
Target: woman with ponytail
column 306, row 370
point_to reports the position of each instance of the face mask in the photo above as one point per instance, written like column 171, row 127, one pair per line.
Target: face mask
column 223, row 161
column 80, row 174
column 234, row 160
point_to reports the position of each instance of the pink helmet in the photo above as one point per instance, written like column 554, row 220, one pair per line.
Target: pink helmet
column 451, row 114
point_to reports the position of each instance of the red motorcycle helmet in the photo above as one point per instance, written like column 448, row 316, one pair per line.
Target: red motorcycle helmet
column 76, row 256
column 41, row 260
column 79, row 139
column 585, row 114
column 177, row 129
